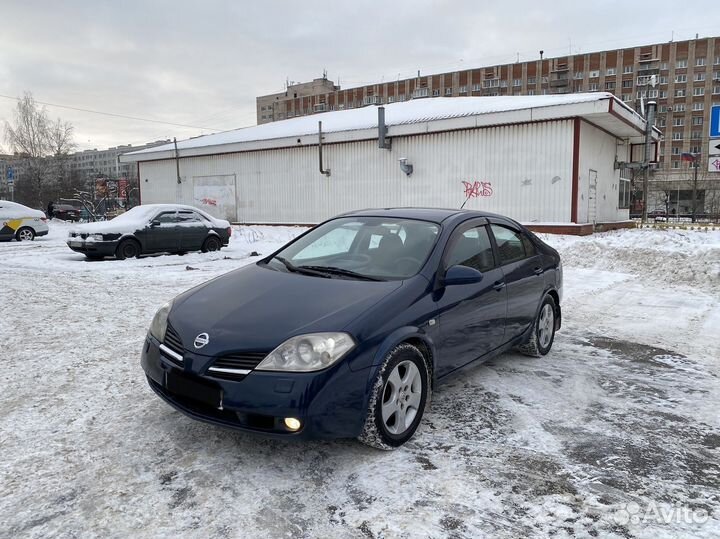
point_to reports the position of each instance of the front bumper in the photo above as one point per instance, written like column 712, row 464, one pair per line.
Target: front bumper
column 99, row 248
column 330, row 403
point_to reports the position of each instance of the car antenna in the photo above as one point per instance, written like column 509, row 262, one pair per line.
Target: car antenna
column 466, row 199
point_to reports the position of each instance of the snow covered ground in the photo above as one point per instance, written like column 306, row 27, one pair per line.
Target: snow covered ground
column 616, row 433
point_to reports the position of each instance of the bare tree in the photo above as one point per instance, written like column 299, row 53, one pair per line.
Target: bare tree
column 43, row 147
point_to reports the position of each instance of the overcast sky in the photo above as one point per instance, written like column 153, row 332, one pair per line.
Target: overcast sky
column 203, row 63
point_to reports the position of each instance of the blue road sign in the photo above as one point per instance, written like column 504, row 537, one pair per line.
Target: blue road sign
column 715, row 121
column 10, row 175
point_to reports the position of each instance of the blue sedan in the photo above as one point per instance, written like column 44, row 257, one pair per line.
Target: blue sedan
column 345, row 330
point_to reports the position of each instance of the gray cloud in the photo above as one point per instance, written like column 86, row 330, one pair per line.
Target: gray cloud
column 203, row 63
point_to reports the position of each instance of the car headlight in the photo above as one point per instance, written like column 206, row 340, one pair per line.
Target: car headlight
column 97, row 237
column 158, row 327
column 305, row 353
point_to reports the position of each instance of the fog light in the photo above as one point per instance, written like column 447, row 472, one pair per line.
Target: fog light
column 292, row 423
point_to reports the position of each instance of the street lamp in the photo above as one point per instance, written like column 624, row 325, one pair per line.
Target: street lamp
column 693, row 158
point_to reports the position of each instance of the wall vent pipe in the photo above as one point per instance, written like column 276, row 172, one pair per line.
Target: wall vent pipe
column 384, row 143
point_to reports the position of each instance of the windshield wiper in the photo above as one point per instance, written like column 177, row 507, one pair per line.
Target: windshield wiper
column 341, row 271
column 302, row 269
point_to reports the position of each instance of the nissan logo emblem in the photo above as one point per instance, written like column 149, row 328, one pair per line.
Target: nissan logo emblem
column 201, row 340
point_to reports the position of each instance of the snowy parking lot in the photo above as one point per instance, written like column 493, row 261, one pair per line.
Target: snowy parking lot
column 616, row 433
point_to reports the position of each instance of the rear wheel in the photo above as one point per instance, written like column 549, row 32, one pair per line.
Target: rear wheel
column 543, row 330
column 211, row 244
column 127, row 249
column 398, row 399
column 25, row 234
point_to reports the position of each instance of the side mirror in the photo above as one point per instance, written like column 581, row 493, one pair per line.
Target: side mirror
column 154, row 223
column 462, row 275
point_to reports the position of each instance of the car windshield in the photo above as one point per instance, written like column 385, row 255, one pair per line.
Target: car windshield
column 373, row 248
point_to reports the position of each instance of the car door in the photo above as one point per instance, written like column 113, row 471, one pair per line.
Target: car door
column 522, row 269
column 163, row 233
column 6, row 232
column 193, row 230
column 471, row 316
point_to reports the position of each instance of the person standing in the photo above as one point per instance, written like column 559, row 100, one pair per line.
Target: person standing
column 50, row 209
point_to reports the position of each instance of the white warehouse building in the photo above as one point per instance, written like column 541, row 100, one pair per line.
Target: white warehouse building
column 550, row 162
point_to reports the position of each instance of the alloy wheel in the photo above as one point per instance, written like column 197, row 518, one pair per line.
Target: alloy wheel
column 401, row 397
column 545, row 325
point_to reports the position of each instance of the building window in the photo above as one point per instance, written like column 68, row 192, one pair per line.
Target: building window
column 716, row 75
column 448, row 91
column 627, row 97
column 662, row 94
column 681, row 64
column 694, row 149
column 661, row 122
column 579, row 75
column 491, row 83
column 594, row 74
column 610, row 71
column 627, row 69
column 698, row 106
column 593, row 87
column 676, row 164
column 421, row 92
column 652, row 94
column 463, row 89
column 680, row 92
column 699, row 62
column 698, row 91
column 476, row 87
column 517, row 82
column 717, row 60
column 436, row 92
column 678, row 122
column 675, row 150
column 699, row 77
column 677, row 135
column 578, row 88
column 663, row 79
column 391, row 99
column 627, row 84
column 716, row 90
column 624, row 194
column 609, row 85
column 531, row 92
column 679, row 107
column 680, row 78
column 697, row 120
column 532, row 80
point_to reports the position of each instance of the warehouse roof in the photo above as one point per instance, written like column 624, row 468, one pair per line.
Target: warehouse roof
column 409, row 117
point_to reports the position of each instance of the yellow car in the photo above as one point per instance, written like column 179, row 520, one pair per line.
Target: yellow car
column 20, row 222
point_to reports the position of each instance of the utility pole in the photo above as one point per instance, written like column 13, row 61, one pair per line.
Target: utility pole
column 647, row 158
column 694, row 189
column 177, row 161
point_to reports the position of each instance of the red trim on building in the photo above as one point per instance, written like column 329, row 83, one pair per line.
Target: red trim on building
column 576, row 171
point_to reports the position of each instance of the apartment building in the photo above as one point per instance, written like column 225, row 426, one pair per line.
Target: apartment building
column 104, row 163
column 687, row 76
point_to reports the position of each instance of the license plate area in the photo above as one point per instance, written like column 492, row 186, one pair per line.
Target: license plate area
column 194, row 389
column 75, row 243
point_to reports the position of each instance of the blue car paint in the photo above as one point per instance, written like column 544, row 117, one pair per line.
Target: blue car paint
column 379, row 315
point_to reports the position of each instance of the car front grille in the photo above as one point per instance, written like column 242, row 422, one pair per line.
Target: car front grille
column 235, row 366
column 173, row 341
column 82, row 235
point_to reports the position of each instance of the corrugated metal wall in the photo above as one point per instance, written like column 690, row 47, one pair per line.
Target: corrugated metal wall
column 524, row 171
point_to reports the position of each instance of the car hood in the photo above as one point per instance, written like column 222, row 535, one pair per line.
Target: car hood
column 257, row 308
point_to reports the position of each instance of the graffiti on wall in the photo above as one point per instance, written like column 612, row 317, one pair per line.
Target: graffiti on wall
column 477, row 189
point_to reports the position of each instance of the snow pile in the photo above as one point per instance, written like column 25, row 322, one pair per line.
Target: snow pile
column 673, row 257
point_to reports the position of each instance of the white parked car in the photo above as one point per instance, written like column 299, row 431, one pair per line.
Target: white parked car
column 20, row 222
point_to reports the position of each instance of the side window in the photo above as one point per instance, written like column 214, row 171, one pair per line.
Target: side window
column 510, row 244
column 188, row 217
column 473, row 249
column 166, row 217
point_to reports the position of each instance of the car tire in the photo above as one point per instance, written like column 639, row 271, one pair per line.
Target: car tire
column 543, row 330
column 211, row 244
column 127, row 249
column 25, row 234
column 402, row 387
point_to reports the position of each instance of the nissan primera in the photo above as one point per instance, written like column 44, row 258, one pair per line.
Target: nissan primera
column 345, row 330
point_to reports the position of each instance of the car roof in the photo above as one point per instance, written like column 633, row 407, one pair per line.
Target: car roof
column 435, row 215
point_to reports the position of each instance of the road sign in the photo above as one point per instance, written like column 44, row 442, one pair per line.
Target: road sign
column 715, row 121
column 714, row 163
column 714, row 150
column 10, row 176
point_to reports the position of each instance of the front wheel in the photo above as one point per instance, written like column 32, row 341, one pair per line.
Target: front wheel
column 127, row 249
column 398, row 399
column 543, row 330
column 25, row 234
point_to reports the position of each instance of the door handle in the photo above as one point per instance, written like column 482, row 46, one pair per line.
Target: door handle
column 499, row 285
column 538, row 271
